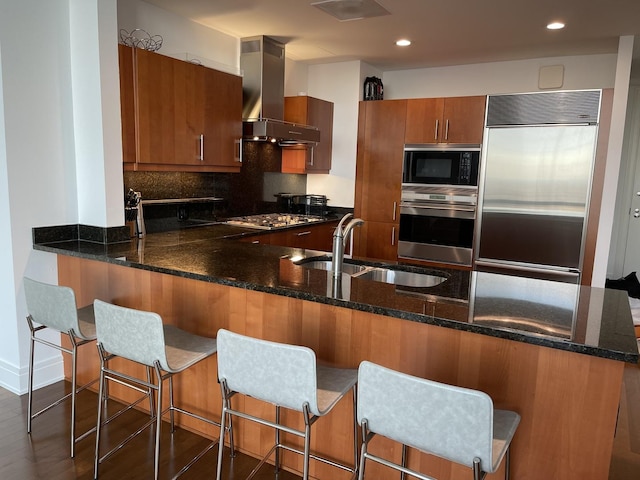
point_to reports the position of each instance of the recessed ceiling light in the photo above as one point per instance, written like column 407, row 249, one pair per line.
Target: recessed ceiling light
column 555, row 26
column 403, row 42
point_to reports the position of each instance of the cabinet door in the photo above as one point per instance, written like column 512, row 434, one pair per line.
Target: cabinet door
column 222, row 119
column 381, row 135
column 127, row 104
column 318, row 113
column 463, row 120
column 170, row 109
column 424, row 120
column 377, row 241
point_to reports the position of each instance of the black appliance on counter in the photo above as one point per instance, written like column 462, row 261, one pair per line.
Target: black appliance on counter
column 307, row 204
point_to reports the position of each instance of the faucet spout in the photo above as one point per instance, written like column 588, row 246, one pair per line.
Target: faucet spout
column 340, row 239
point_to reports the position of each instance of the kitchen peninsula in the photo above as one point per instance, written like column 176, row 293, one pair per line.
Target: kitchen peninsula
column 555, row 356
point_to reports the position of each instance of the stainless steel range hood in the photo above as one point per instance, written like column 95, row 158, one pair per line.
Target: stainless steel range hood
column 262, row 61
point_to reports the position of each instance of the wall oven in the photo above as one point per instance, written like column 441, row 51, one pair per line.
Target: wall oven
column 437, row 224
column 439, row 202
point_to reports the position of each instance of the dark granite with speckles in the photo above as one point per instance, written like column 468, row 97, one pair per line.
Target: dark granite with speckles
column 584, row 320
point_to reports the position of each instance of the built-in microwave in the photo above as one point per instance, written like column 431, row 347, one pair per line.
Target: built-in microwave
column 441, row 165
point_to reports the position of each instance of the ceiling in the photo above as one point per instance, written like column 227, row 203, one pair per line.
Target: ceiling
column 443, row 32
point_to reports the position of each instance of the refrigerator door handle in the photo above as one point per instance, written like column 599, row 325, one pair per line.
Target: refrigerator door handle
column 563, row 272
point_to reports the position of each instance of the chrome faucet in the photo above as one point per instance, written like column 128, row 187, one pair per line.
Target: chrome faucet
column 340, row 238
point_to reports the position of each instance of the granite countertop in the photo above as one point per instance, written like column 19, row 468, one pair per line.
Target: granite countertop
column 584, row 320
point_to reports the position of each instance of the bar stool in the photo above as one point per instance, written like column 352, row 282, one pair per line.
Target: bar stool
column 286, row 376
column 141, row 337
column 454, row 423
column 54, row 307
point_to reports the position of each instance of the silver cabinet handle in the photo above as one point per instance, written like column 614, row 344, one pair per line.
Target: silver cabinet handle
column 435, row 137
column 446, row 131
column 255, row 241
column 393, row 236
column 311, row 159
column 302, row 234
column 239, row 146
column 395, row 207
column 201, row 147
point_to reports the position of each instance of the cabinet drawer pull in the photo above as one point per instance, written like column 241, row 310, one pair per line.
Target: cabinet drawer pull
column 393, row 236
column 395, row 207
column 301, row 234
column 201, row 147
column 255, row 241
column 311, row 156
column 435, row 137
column 446, row 131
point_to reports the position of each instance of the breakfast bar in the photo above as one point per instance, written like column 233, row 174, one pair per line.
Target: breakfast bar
column 552, row 352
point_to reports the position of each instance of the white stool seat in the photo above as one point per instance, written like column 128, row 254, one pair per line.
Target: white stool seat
column 454, row 423
column 285, row 376
column 141, row 337
column 54, row 307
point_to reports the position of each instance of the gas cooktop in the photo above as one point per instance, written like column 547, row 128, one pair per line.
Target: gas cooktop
column 269, row 221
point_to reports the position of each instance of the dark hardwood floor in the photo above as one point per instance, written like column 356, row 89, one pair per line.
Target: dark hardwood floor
column 45, row 453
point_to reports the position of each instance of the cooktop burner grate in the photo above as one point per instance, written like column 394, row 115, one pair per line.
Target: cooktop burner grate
column 270, row 221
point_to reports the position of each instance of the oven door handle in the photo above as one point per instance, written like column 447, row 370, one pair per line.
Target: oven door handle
column 457, row 211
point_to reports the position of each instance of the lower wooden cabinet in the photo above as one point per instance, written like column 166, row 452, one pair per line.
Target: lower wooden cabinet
column 377, row 240
column 313, row 237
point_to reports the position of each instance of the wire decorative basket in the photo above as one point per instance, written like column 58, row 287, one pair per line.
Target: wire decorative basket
column 139, row 38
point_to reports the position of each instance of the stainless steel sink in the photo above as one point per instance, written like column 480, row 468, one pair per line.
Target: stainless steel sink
column 348, row 268
column 399, row 277
column 379, row 274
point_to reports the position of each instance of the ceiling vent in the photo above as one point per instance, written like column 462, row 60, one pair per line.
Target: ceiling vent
column 345, row 10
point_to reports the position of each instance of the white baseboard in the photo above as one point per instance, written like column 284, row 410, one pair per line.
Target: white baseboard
column 45, row 373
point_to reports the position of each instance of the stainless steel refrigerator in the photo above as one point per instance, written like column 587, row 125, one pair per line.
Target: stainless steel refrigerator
column 536, row 173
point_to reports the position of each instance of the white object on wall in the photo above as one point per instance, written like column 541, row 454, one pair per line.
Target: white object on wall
column 551, row 76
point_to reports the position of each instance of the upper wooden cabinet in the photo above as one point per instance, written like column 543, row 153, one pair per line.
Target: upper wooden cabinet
column 381, row 133
column 318, row 113
column 445, row 120
column 187, row 117
column 127, row 104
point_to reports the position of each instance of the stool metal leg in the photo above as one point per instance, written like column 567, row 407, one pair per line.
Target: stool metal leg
column 74, row 369
column 31, row 353
column 277, row 460
column 156, row 460
column 101, row 405
column 307, row 440
column 404, row 461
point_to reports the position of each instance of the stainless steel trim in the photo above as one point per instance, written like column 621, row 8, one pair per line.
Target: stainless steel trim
column 442, row 146
column 442, row 211
column 435, row 253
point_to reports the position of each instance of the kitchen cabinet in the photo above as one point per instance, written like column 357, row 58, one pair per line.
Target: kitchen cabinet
column 313, row 237
column 381, row 133
column 186, row 117
column 127, row 104
column 315, row 112
column 445, row 120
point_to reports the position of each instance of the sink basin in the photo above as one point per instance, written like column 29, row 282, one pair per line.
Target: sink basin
column 377, row 274
column 399, row 277
column 348, row 268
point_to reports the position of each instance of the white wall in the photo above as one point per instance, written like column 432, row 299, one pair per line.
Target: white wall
column 181, row 38
column 38, row 172
column 338, row 83
column 586, row 71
